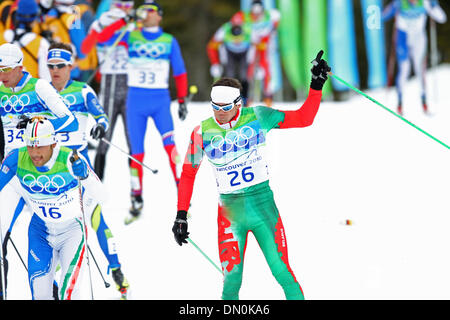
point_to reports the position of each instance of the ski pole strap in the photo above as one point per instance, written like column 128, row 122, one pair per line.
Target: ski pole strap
column 204, row 254
column 387, row 109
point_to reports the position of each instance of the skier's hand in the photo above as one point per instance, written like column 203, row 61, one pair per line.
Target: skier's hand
column 182, row 109
column 319, row 72
column 109, row 17
column 98, row 131
column 79, row 166
column 216, row 70
column 180, row 227
column 22, row 124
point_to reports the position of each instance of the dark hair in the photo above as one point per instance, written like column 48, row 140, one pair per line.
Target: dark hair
column 228, row 82
column 61, row 45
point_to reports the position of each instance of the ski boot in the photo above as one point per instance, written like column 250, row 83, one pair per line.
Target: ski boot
column 121, row 282
column 425, row 106
column 400, row 109
column 137, row 203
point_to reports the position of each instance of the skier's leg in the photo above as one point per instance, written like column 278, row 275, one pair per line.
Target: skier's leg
column 137, row 127
column 404, row 66
column 418, row 57
column 72, row 256
column 271, row 237
column 42, row 261
column 232, row 243
column 102, row 149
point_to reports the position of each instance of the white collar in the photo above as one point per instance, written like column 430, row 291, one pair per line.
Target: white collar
column 23, row 81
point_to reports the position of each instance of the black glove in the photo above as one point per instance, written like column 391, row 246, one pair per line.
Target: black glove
column 319, row 72
column 182, row 110
column 22, row 124
column 180, row 227
column 98, row 131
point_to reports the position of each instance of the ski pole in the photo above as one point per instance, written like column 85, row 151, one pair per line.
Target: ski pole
column 387, row 109
column 2, row 260
column 55, row 284
column 155, row 171
column 74, row 158
column 18, row 253
column 2, row 267
column 107, row 285
column 109, row 52
column 204, row 254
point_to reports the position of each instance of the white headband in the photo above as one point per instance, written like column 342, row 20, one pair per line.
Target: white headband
column 224, row 94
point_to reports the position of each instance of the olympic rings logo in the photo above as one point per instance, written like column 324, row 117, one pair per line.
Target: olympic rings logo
column 240, row 139
column 16, row 103
column 42, row 183
column 148, row 49
column 69, row 99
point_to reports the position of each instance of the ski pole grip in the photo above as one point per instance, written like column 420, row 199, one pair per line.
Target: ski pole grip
column 74, row 156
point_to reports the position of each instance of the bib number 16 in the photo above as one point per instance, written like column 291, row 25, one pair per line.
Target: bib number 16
column 246, row 174
column 52, row 212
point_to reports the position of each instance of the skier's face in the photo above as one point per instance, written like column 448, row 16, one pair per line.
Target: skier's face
column 10, row 77
column 153, row 19
column 40, row 155
column 226, row 116
column 59, row 70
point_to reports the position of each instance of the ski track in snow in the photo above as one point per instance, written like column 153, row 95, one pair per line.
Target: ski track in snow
column 355, row 162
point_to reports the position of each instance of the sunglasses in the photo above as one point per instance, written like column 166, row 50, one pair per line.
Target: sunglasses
column 226, row 107
column 150, row 7
column 124, row 5
column 52, row 66
column 6, row 69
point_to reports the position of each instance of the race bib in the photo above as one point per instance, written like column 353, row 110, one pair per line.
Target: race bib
column 75, row 138
column 53, row 209
column 154, row 74
column 245, row 171
column 13, row 138
column 116, row 63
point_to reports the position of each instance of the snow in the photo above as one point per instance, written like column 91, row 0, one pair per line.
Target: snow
column 356, row 162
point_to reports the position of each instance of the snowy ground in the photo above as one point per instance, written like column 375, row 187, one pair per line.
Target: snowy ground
column 356, row 162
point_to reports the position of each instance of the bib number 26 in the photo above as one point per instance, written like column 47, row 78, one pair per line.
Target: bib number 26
column 246, row 175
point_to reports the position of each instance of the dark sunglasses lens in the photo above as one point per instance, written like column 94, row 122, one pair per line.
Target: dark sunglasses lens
column 58, row 66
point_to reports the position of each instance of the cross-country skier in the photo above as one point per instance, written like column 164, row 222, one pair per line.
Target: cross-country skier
column 49, row 183
column 231, row 50
column 263, row 23
column 410, row 26
column 234, row 142
column 82, row 101
column 151, row 54
column 22, row 97
column 113, row 69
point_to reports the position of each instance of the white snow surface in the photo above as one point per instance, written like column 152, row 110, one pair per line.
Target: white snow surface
column 356, row 162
